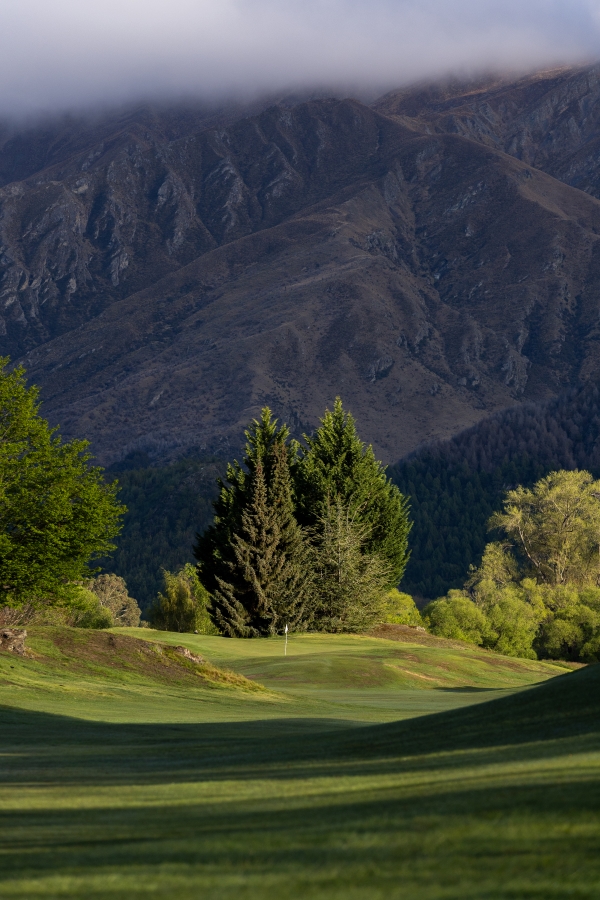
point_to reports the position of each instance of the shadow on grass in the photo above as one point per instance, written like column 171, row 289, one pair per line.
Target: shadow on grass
column 534, row 723
column 246, row 835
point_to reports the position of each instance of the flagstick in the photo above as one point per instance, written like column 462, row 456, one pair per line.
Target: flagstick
column 285, row 648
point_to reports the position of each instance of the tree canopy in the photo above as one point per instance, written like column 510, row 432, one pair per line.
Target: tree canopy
column 536, row 591
column 555, row 527
column 57, row 515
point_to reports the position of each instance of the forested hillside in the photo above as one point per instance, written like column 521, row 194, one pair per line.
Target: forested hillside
column 166, row 507
column 455, row 486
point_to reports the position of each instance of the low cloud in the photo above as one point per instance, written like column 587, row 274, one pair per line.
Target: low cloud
column 73, row 53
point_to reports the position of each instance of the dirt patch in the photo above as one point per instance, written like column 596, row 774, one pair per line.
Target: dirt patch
column 183, row 651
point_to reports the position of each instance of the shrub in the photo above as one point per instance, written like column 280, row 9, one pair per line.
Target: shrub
column 401, row 609
column 457, row 617
column 512, row 625
column 572, row 623
column 85, row 611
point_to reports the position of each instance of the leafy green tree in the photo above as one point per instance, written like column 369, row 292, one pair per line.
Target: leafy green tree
column 350, row 585
column 571, row 627
column 56, row 512
column 113, row 595
column 84, row 611
column 512, row 624
column 268, row 575
column 513, row 610
column 555, row 527
column 337, row 466
column 182, row 605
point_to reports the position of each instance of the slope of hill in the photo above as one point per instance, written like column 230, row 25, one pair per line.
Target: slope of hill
column 168, row 278
column 549, row 119
column 121, row 783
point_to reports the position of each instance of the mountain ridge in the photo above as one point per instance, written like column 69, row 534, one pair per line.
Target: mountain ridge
column 311, row 250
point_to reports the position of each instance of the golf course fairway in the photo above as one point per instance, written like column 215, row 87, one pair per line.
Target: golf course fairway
column 350, row 767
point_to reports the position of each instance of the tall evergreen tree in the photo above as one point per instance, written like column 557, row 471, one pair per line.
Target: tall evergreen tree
column 337, row 466
column 252, row 559
column 350, row 584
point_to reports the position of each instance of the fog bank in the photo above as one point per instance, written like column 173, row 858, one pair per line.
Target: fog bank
column 69, row 53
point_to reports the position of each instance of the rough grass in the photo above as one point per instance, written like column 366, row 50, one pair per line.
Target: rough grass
column 168, row 786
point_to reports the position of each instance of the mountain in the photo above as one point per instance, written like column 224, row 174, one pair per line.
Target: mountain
column 433, row 259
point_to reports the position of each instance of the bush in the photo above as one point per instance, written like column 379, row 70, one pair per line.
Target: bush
column 84, row 611
column 457, row 617
column 512, row 625
column 572, row 623
column 401, row 609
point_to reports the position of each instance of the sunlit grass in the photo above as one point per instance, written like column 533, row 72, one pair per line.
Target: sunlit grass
column 120, row 783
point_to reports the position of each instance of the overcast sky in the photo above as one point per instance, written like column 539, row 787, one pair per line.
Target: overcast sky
column 57, row 54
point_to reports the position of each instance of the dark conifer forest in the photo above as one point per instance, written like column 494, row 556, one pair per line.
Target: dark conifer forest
column 166, row 506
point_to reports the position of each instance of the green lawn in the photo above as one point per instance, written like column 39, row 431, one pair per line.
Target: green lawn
column 365, row 768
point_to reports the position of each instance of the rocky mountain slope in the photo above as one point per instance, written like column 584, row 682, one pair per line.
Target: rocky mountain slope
column 432, row 259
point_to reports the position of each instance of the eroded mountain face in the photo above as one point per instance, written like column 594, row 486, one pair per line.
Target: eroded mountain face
column 429, row 259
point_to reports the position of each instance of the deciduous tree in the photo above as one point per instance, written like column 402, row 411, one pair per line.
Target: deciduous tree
column 555, row 527
column 57, row 514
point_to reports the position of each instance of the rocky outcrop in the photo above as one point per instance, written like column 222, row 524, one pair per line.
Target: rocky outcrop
column 12, row 640
column 193, row 657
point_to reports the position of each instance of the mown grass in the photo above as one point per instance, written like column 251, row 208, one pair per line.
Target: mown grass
column 221, row 792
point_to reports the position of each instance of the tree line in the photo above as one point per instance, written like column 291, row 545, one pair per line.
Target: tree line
column 536, row 592
column 303, row 536
column 312, row 535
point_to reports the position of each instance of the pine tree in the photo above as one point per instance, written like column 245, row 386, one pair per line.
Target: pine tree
column 337, row 466
column 350, row 585
column 212, row 549
column 253, row 558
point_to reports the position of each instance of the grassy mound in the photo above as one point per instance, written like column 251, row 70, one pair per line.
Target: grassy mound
column 110, row 655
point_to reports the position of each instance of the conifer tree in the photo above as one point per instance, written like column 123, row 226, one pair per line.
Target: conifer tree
column 252, row 560
column 350, row 585
column 337, row 466
column 212, row 547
